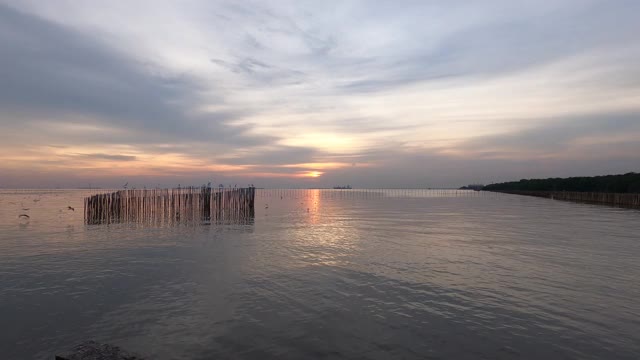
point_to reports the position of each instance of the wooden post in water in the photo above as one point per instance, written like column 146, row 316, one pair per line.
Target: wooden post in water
column 614, row 199
column 161, row 206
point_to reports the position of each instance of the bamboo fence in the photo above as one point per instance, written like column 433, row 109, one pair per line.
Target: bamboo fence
column 167, row 206
column 614, row 199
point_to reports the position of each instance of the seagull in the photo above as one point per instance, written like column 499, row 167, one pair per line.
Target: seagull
column 266, row 206
column 70, row 208
column 23, row 216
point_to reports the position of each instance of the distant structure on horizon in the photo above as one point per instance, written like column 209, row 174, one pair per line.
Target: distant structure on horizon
column 476, row 187
column 342, row 187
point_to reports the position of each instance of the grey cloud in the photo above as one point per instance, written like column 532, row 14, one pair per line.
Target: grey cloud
column 556, row 137
column 273, row 21
column 55, row 68
column 48, row 69
column 501, row 46
column 281, row 155
column 361, row 125
column 251, row 66
column 253, row 42
column 112, row 157
column 399, row 168
column 261, row 72
column 247, row 65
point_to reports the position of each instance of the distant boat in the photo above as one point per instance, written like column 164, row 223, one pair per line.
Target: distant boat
column 342, row 187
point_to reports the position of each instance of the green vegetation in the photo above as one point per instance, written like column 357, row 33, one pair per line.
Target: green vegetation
column 627, row 183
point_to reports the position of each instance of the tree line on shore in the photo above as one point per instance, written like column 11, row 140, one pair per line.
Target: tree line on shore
column 624, row 183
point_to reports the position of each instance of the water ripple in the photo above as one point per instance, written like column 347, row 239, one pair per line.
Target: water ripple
column 422, row 275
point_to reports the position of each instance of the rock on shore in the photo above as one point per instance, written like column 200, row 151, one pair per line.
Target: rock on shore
column 91, row 350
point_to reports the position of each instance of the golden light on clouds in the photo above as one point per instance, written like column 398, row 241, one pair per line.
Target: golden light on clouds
column 327, row 142
column 311, row 174
column 118, row 161
column 318, row 165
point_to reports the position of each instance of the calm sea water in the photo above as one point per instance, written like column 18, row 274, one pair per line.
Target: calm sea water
column 327, row 275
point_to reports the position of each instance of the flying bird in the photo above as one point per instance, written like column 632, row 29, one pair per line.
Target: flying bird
column 125, row 185
column 24, row 216
column 70, row 208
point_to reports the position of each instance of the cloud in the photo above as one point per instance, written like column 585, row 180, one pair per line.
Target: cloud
column 261, row 72
column 52, row 71
column 559, row 138
column 278, row 155
column 424, row 93
column 111, row 157
column 503, row 45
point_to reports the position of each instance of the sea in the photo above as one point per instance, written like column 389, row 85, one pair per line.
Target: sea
column 326, row 274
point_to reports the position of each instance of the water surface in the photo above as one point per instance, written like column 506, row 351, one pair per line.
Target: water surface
column 328, row 275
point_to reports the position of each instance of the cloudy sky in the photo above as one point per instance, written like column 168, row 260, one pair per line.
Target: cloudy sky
column 316, row 93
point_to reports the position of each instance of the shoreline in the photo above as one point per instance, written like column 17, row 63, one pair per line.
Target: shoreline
column 627, row 200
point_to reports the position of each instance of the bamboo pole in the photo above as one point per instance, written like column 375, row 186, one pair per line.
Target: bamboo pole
column 168, row 206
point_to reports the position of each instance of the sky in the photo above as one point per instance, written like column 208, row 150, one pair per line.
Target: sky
column 316, row 93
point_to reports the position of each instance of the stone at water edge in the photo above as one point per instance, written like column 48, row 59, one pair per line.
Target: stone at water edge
column 91, row 350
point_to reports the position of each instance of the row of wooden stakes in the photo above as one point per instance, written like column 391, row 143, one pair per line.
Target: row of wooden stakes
column 615, row 199
column 168, row 206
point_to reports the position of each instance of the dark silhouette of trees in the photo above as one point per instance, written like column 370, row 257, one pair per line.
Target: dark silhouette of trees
column 626, row 183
